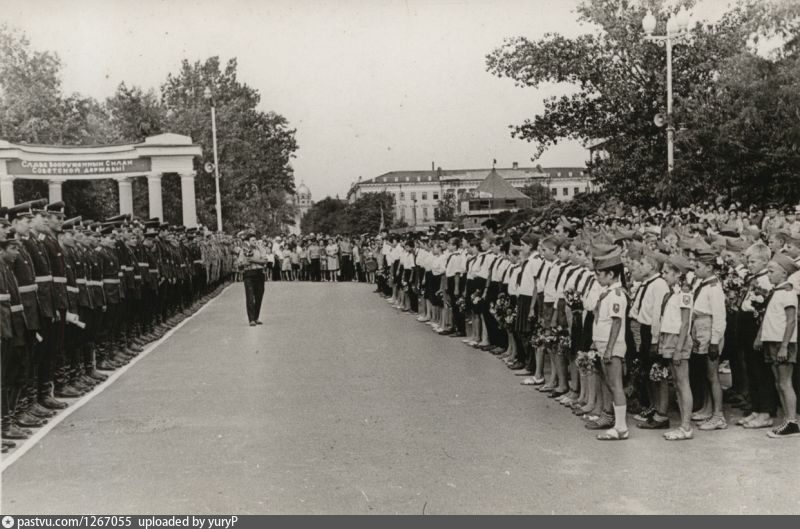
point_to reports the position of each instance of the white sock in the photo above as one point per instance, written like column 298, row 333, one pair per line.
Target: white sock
column 620, row 423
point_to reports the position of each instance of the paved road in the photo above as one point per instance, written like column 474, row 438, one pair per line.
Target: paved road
column 338, row 404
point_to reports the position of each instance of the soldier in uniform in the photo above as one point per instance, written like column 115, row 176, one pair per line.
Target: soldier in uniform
column 12, row 340
column 32, row 227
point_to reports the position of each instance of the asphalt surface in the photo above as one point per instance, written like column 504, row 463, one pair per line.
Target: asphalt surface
column 339, row 404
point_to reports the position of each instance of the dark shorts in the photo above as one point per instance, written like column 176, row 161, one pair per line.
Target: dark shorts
column 771, row 349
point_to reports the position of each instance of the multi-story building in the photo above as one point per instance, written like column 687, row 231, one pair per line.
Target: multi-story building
column 302, row 202
column 417, row 193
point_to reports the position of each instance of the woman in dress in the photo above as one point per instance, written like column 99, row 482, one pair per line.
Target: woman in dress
column 332, row 251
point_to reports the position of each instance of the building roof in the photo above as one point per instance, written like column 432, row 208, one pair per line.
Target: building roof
column 495, row 186
column 408, row 177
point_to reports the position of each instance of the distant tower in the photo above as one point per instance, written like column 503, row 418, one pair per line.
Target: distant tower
column 302, row 199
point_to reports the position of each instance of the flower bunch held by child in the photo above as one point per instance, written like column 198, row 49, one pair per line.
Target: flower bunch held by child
column 511, row 318
column 758, row 300
column 573, row 299
column 588, row 361
column 476, row 299
column 659, row 372
column 734, row 286
column 461, row 303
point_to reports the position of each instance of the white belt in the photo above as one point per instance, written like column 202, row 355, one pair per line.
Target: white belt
column 80, row 281
column 95, row 283
column 137, row 277
column 153, row 270
column 57, row 279
column 5, row 297
column 199, row 261
column 127, row 268
column 144, row 265
column 111, row 281
column 120, row 274
column 44, row 279
column 17, row 308
column 74, row 290
column 28, row 288
column 183, row 265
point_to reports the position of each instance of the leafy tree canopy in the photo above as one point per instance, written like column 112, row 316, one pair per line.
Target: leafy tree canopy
column 724, row 93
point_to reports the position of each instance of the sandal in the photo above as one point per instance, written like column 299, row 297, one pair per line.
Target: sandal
column 744, row 420
column 679, row 434
column 700, row 417
column 613, row 434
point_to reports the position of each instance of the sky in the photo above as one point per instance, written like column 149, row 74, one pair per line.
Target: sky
column 370, row 85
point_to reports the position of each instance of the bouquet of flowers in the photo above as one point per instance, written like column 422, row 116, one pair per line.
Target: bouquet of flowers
column 511, row 318
column 734, row 286
column 759, row 301
column 563, row 340
column 405, row 286
column 588, row 361
column 634, row 374
column 499, row 309
column 476, row 299
column 416, row 289
column 659, row 372
column 461, row 303
column 538, row 338
column 573, row 299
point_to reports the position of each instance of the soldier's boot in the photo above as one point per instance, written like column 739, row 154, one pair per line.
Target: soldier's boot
column 90, row 366
column 24, row 419
column 80, row 383
column 11, row 431
column 95, row 375
column 61, row 387
column 47, row 400
column 134, row 347
column 32, row 406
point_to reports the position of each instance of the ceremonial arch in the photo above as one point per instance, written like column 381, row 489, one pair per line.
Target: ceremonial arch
column 155, row 156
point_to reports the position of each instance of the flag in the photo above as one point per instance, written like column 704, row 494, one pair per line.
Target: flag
column 382, row 222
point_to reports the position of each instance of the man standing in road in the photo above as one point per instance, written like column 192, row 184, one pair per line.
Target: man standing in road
column 252, row 260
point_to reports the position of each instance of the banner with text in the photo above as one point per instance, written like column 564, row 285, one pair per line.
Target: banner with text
column 77, row 167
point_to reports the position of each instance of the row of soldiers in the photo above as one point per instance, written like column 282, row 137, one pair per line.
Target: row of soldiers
column 80, row 298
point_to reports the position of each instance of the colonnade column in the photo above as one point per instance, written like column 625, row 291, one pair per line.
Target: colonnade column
column 6, row 191
column 54, row 190
column 125, row 196
column 188, row 201
column 154, row 196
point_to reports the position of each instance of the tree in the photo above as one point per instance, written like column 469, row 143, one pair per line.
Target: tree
column 34, row 110
column 364, row 214
column 447, row 208
column 618, row 85
column 255, row 148
column 539, row 194
column 324, row 216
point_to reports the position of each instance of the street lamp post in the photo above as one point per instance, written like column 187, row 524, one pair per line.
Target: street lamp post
column 207, row 94
column 677, row 26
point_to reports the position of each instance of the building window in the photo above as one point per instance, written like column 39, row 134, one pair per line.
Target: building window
column 425, row 213
column 424, row 196
column 436, row 196
column 413, row 195
column 565, row 191
column 402, row 196
column 577, row 190
column 554, row 191
column 558, row 174
column 570, row 173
